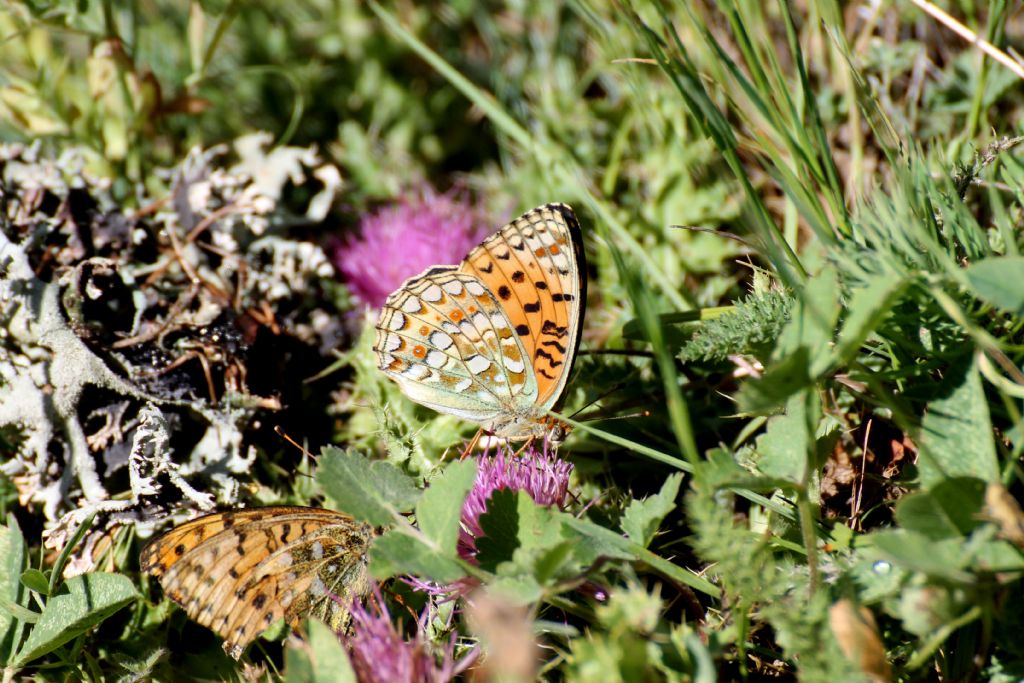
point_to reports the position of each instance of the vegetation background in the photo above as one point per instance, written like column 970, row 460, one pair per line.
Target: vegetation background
column 803, row 222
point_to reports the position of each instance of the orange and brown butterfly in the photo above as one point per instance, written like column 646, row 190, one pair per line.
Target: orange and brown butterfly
column 238, row 572
column 493, row 339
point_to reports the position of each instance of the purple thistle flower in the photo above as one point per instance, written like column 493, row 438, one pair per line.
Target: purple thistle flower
column 538, row 472
column 400, row 241
column 379, row 653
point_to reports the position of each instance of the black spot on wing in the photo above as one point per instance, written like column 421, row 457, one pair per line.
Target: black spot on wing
column 561, row 349
column 541, row 353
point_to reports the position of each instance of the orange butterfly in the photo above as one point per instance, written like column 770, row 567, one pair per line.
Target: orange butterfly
column 237, row 572
column 493, row 339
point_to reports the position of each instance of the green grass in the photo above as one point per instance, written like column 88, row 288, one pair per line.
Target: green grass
column 803, row 229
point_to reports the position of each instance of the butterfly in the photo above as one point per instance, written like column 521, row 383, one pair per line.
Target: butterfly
column 237, row 572
column 493, row 339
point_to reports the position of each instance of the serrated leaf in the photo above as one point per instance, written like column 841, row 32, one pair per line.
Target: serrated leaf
column 956, row 432
column 371, row 490
column 320, row 659
column 83, row 602
column 783, row 448
column 397, row 552
column 643, row 517
column 521, row 589
column 951, row 509
column 12, row 594
column 35, row 580
column 500, row 524
column 439, row 510
column 516, row 530
column 1000, row 282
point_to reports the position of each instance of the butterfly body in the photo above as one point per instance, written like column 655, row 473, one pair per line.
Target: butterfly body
column 237, row 572
column 493, row 339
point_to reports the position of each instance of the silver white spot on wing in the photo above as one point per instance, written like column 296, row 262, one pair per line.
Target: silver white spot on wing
column 453, row 287
column 436, row 359
column 411, row 305
column 440, row 340
column 478, row 364
column 396, row 322
column 513, row 365
column 416, row 371
column 432, row 294
column 475, row 288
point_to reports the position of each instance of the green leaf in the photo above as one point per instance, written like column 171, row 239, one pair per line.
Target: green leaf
column 778, row 383
column 917, row 552
column 956, row 433
column 500, row 524
column 399, row 552
column 35, row 580
column 83, row 602
column 592, row 541
column 517, row 530
column 320, row 659
column 12, row 594
column 949, row 510
column 643, row 517
column 520, row 589
column 812, row 324
column 440, row 508
column 784, row 445
column 374, row 491
column 866, row 309
column 999, row 282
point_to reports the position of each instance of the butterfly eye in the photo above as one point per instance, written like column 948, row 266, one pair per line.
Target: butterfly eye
column 558, row 433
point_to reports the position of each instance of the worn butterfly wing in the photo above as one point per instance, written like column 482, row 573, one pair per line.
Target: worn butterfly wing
column 237, row 572
column 492, row 340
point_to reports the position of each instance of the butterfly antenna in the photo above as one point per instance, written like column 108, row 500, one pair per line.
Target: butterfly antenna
column 606, row 394
column 302, row 449
column 629, row 416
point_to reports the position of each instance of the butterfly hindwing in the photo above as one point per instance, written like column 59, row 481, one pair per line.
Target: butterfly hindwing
column 448, row 343
column 237, row 572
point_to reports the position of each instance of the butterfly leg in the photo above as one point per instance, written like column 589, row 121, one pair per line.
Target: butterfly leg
column 472, row 444
column 526, row 444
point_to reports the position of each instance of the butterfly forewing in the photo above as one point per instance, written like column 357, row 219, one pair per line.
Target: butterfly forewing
column 536, row 267
column 237, row 572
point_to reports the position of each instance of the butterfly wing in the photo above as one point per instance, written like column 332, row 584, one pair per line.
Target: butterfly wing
column 444, row 338
column 536, row 267
column 237, row 572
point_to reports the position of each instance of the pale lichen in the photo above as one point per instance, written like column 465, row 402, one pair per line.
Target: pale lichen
column 136, row 327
